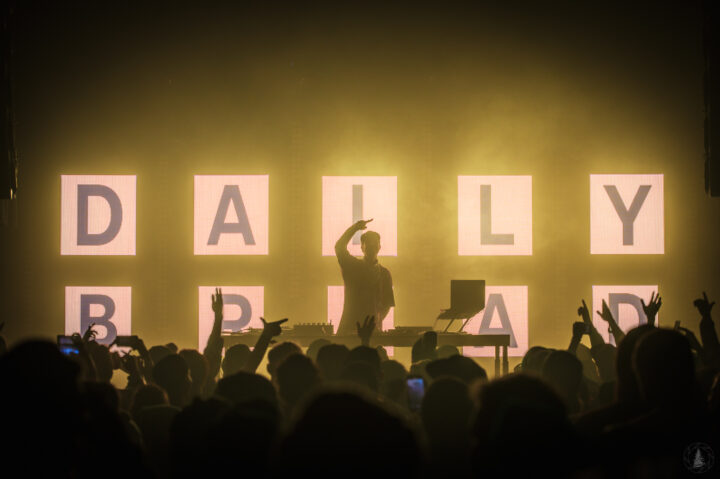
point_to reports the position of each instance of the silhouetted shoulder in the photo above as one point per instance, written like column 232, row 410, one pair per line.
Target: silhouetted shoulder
column 348, row 261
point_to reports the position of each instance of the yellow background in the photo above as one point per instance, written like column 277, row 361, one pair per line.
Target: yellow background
column 424, row 92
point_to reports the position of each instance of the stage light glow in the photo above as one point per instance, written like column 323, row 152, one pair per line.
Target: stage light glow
column 624, row 303
column 626, row 214
column 494, row 215
column 231, row 214
column 109, row 307
column 97, row 214
column 506, row 312
column 347, row 199
column 242, row 308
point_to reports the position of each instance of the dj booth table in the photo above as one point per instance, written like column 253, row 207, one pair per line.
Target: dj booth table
column 397, row 339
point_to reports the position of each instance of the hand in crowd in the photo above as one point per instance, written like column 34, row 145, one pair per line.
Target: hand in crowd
column 273, row 328
column 605, row 313
column 595, row 339
column 217, row 302
column 584, row 313
column 704, row 306
column 556, row 380
column 652, row 307
column 139, row 346
column 90, row 334
column 129, row 363
column 579, row 328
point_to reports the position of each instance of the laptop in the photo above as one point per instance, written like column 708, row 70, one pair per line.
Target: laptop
column 467, row 298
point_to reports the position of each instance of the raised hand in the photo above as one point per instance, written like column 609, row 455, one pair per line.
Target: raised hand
column 272, row 329
column 217, row 301
column 258, row 352
column 362, row 224
column 605, row 313
column 132, row 365
column 139, row 345
column 365, row 330
column 584, row 313
column 89, row 334
column 129, row 363
column 651, row 309
column 704, row 306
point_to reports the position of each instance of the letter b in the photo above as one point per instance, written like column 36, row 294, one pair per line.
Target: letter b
column 104, row 320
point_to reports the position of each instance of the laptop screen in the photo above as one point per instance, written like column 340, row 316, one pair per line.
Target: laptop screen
column 467, row 295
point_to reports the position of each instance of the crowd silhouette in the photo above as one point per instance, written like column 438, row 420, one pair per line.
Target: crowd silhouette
column 649, row 407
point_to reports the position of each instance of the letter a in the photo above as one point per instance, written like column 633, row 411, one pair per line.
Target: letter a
column 496, row 302
column 231, row 193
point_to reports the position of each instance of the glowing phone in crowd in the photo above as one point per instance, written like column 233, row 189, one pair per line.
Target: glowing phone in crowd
column 415, row 392
column 66, row 345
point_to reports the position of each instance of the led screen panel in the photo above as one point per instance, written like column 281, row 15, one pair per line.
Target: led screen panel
column 108, row 307
column 506, row 312
column 231, row 214
column 494, row 215
column 97, row 214
column 347, row 199
column 626, row 214
column 242, row 308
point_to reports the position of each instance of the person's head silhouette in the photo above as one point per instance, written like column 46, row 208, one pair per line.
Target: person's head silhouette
column 370, row 245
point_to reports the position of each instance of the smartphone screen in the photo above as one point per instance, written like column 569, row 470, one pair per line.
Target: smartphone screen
column 415, row 391
column 66, row 345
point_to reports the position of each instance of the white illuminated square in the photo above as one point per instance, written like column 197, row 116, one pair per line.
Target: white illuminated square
column 494, row 215
column 97, row 214
column 347, row 199
column 624, row 303
column 336, row 298
column 231, row 214
column 506, row 312
column 626, row 214
column 109, row 307
column 242, row 308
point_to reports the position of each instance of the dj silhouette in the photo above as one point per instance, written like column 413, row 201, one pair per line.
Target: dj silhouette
column 368, row 285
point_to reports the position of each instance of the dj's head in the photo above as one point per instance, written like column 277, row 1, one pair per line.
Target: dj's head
column 370, row 244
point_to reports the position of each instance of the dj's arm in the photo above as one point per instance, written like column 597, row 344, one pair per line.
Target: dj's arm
column 341, row 250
